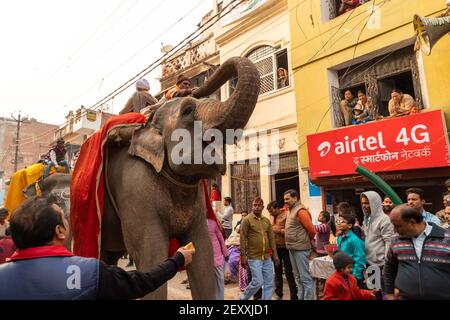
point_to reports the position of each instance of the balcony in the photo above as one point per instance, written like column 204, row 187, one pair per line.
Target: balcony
column 86, row 122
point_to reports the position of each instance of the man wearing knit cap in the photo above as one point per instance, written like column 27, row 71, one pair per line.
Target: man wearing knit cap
column 182, row 88
column 140, row 99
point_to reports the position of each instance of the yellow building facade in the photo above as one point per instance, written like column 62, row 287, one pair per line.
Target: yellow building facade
column 264, row 163
column 371, row 48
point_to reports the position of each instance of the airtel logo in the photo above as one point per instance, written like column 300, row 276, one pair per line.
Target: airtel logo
column 324, row 148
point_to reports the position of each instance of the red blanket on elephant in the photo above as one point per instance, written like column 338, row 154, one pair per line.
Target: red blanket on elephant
column 87, row 190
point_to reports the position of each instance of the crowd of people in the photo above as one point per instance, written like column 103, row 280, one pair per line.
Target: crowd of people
column 405, row 243
column 361, row 109
column 262, row 251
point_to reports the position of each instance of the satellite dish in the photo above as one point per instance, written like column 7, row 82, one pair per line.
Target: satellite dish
column 166, row 48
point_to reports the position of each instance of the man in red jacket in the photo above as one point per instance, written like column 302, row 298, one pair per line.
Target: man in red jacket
column 342, row 285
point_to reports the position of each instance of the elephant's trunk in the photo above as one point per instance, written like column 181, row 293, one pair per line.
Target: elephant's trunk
column 235, row 112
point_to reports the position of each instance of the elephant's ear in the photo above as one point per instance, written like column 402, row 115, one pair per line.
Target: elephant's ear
column 148, row 144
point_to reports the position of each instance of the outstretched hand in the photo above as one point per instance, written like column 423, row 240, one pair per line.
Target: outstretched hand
column 187, row 253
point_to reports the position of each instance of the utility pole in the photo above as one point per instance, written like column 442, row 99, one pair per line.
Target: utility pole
column 19, row 121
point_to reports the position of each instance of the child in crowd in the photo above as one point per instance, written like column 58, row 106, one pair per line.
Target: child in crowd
column 342, row 285
column 360, row 115
column 352, row 245
column 322, row 233
column 345, row 209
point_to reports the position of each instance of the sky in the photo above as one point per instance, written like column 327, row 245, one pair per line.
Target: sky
column 57, row 55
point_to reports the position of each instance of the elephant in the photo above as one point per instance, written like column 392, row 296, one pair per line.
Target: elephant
column 57, row 184
column 151, row 198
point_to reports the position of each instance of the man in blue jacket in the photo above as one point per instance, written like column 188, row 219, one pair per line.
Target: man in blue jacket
column 42, row 268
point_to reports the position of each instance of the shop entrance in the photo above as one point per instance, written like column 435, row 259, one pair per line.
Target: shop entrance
column 286, row 177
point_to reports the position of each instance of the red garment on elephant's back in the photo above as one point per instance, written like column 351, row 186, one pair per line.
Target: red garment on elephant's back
column 87, row 188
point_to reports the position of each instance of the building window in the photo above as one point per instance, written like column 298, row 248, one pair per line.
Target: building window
column 245, row 185
column 272, row 65
column 377, row 77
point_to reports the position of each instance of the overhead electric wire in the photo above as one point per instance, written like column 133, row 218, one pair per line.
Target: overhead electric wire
column 58, row 69
column 153, row 66
column 140, row 50
column 359, row 36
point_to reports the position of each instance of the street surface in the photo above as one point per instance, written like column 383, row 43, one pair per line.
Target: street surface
column 178, row 291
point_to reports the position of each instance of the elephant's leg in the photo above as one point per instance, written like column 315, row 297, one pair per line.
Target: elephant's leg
column 112, row 244
column 201, row 270
column 148, row 244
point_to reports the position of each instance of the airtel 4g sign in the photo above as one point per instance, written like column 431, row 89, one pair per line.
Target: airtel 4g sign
column 411, row 142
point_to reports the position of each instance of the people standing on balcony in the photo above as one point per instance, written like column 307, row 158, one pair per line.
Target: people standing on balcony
column 282, row 78
column 360, row 115
column 57, row 156
column 401, row 104
column 299, row 237
column 347, row 106
column 367, row 102
column 348, row 5
column 140, row 99
column 416, row 200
